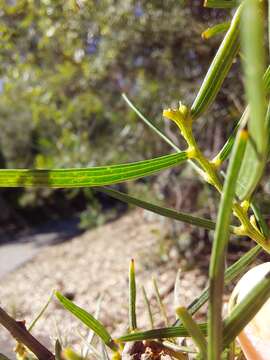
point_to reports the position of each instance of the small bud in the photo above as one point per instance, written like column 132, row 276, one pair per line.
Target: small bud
column 174, row 115
column 183, row 110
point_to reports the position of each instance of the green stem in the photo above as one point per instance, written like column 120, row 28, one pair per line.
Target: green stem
column 183, row 119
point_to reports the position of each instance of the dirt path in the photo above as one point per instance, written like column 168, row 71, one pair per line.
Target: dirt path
column 93, row 264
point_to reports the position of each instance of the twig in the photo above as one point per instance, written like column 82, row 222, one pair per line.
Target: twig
column 18, row 330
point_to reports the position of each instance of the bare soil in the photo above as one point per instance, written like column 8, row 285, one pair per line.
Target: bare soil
column 96, row 264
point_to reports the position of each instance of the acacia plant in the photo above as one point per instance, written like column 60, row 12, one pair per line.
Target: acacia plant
column 247, row 152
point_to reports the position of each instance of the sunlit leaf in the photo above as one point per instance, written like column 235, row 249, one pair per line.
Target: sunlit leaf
column 193, row 329
column 96, row 176
column 215, row 30
column 219, row 247
column 254, row 66
column 218, row 69
column 87, row 319
column 163, row 333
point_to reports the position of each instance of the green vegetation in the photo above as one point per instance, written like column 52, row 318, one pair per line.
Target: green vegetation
column 63, row 67
column 248, row 152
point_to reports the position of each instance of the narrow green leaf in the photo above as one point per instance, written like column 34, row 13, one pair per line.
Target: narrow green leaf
column 241, row 265
column 157, row 130
column 163, row 333
column 225, row 152
column 91, row 334
column 235, row 270
column 87, row 319
column 261, row 222
column 193, row 329
column 226, row 149
column 40, row 314
column 219, row 68
column 221, row 4
column 233, row 324
column 241, row 315
column 96, row 176
column 215, row 30
column 245, row 311
column 148, row 307
column 217, row 263
column 252, row 34
column 150, row 124
column 132, row 297
column 160, row 210
column 160, row 303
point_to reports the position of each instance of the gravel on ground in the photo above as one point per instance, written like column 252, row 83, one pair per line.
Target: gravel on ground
column 96, row 264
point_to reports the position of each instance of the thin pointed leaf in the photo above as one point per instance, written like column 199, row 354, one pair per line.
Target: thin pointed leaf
column 226, row 149
column 87, row 319
column 156, row 129
column 252, row 30
column 244, row 312
column 160, row 210
column 235, row 270
column 150, row 124
column 148, row 307
column 91, row 334
column 96, row 176
column 215, row 30
column 261, row 222
column 225, row 152
column 193, row 329
column 233, row 324
column 132, row 297
column 221, row 4
column 163, row 333
column 92, row 351
column 216, row 272
column 218, row 69
column 42, row 311
column 160, row 303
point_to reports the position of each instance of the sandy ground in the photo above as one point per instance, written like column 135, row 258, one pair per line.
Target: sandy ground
column 92, row 265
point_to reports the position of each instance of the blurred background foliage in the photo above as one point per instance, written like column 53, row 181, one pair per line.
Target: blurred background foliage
column 63, row 67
